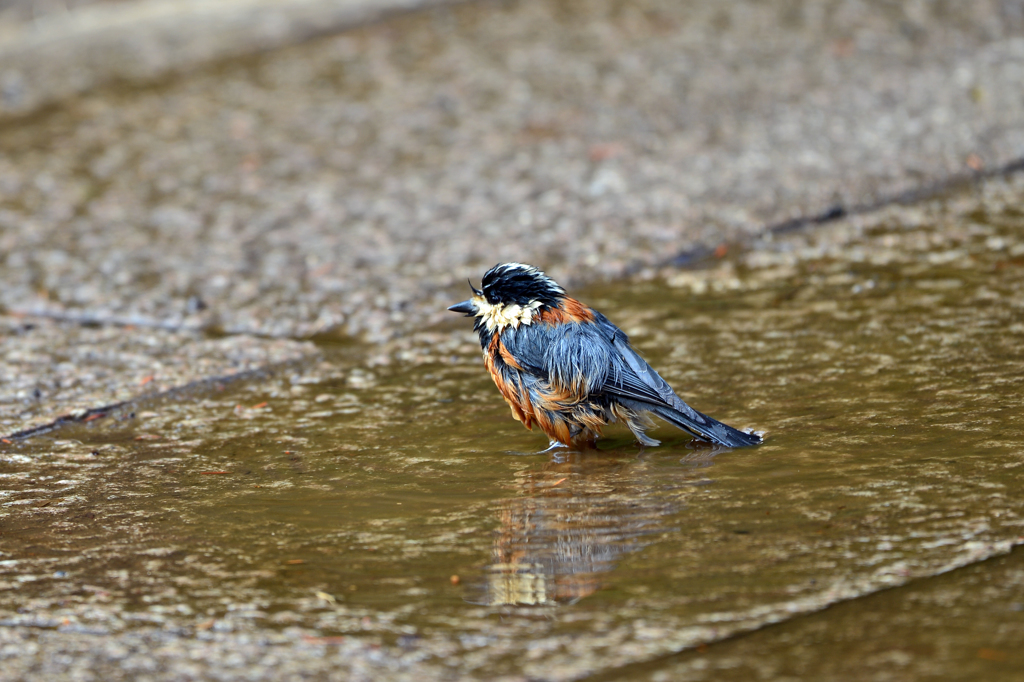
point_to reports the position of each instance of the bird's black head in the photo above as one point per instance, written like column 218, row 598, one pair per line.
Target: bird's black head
column 519, row 284
column 512, row 294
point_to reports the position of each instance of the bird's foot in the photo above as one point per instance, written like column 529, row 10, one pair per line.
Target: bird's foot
column 552, row 446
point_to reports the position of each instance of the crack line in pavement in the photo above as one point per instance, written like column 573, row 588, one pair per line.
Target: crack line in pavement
column 701, row 254
column 630, row 670
column 106, row 410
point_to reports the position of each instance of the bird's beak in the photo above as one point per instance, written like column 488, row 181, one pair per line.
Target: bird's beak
column 466, row 307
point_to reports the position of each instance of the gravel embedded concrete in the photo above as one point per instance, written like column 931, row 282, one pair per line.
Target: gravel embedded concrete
column 114, row 515
column 346, row 187
column 53, row 50
column 51, row 370
column 349, row 185
column 70, row 612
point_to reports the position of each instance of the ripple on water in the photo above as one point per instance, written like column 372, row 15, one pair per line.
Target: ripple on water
column 882, row 356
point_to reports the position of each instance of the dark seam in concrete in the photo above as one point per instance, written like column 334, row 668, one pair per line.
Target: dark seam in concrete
column 87, row 320
column 700, row 255
column 694, row 258
column 210, row 331
column 697, row 257
column 103, row 411
column 629, row 670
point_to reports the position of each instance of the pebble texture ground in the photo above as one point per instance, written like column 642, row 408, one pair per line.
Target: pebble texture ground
column 204, row 225
column 81, row 370
column 51, row 50
column 310, row 521
column 349, row 185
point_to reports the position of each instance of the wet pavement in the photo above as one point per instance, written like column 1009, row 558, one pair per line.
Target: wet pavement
column 86, row 371
column 348, row 518
column 347, row 186
column 965, row 625
column 54, row 50
column 284, row 458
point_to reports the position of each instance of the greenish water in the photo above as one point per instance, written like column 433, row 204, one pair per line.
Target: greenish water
column 401, row 503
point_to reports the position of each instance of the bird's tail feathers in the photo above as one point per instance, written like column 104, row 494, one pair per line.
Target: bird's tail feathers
column 706, row 428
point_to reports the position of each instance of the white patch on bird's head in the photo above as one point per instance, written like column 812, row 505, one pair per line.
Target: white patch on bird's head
column 497, row 316
column 520, row 285
column 531, row 270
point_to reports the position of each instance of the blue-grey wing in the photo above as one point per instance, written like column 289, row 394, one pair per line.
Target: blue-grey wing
column 572, row 357
column 632, row 377
column 589, row 360
column 576, row 362
column 528, row 345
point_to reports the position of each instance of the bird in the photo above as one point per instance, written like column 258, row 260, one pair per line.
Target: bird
column 565, row 367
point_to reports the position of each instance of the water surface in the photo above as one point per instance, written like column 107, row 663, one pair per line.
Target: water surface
column 400, row 504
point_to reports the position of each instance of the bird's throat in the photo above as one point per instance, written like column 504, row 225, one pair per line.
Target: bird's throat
column 497, row 316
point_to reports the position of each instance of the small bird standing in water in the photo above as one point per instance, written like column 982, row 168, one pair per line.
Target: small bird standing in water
column 565, row 367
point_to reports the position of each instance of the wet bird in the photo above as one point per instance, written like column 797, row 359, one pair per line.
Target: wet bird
column 565, row 367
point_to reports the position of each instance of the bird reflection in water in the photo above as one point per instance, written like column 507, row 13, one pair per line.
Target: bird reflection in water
column 575, row 517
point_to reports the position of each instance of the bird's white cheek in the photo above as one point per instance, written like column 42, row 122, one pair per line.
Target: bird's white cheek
column 485, row 311
column 499, row 316
column 511, row 314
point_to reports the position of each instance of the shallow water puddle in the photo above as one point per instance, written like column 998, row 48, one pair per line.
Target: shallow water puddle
column 402, row 504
